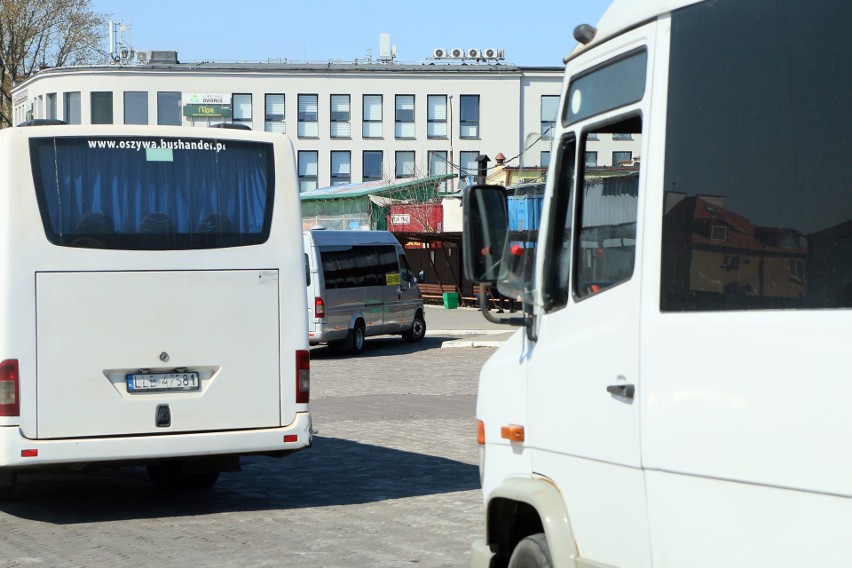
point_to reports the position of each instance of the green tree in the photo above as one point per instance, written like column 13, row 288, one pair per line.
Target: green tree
column 45, row 33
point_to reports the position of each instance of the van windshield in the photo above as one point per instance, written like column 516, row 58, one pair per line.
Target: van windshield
column 153, row 193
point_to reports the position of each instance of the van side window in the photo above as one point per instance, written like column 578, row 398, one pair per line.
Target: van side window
column 355, row 266
column 405, row 269
column 607, row 208
column 558, row 243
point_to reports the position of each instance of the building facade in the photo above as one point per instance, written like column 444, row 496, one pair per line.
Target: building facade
column 349, row 122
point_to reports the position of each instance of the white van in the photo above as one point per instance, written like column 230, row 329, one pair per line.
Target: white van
column 681, row 393
column 360, row 284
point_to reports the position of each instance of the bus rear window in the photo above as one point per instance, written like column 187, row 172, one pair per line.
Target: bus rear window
column 153, row 193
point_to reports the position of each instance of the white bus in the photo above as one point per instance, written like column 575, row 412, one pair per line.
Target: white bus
column 152, row 300
column 681, row 395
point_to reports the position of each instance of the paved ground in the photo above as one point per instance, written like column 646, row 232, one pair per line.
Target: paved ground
column 467, row 327
column 392, row 479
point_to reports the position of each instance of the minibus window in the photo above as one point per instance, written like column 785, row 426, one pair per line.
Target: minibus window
column 153, row 193
column 757, row 208
column 558, row 243
column 607, row 208
column 612, row 85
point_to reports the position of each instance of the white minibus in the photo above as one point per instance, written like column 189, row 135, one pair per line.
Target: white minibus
column 360, row 285
column 680, row 393
column 153, row 310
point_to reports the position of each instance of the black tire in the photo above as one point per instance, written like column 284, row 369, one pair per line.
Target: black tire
column 170, row 477
column 532, row 552
column 356, row 339
column 417, row 331
column 7, row 489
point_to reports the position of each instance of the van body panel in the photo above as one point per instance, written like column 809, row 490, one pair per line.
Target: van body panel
column 82, row 372
column 697, row 520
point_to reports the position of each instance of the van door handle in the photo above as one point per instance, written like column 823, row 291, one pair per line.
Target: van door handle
column 625, row 390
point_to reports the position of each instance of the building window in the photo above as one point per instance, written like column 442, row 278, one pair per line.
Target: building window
column 468, row 165
column 404, row 118
column 625, row 136
column 341, row 167
column 135, row 107
column 372, row 165
column 168, row 108
column 101, row 107
column 622, row 159
column 307, row 170
column 469, row 116
column 404, row 164
column 274, row 113
column 308, row 116
column 241, row 105
column 438, row 165
column 544, row 161
column 549, row 110
column 372, row 127
column 591, row 158
column 436, row 116
column 341, row 127
column 71, row 107
column 50, row 109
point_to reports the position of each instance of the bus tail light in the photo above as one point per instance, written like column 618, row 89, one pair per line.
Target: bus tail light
column 319, row 307
column 303, row 376
column 9, row 389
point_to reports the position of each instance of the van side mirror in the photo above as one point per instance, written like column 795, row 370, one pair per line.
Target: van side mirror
column 486, row 228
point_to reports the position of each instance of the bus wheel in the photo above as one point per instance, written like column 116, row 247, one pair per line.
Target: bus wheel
column 531, row 552
column 417, row 331
column 8, row 481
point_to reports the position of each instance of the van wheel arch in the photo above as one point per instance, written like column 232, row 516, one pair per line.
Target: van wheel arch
column 524, row 507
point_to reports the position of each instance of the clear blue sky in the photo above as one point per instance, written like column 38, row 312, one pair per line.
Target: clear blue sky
column 532, row 33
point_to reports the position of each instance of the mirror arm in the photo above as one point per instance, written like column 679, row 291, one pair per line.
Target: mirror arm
column 485, row 290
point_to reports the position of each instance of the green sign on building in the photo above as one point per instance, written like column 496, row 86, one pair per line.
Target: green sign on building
column 211, row 111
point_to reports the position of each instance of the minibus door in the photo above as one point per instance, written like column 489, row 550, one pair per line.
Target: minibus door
column 583, row 374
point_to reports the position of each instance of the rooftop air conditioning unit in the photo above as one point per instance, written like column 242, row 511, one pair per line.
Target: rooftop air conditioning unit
column 473, row 53
column 457, row 53
column 439, row 53
column 143, row 57
column 491, row 53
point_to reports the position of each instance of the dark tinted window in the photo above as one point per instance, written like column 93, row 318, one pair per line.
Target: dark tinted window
column 354, row 266
column 153, row 193
column 612, row 85
column 758, row 207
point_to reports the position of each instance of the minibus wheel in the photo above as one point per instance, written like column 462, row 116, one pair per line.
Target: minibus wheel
column 417, row 331
column 531, row 552
column 356, row 338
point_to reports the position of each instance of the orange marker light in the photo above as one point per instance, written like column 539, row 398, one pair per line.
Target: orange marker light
column 480, row 432
column 512, row 432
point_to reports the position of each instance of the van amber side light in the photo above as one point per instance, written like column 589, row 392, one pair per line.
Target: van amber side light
column 480, row 432
column 512, row 432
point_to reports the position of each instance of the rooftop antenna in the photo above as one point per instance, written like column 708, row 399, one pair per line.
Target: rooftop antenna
column 120, row 51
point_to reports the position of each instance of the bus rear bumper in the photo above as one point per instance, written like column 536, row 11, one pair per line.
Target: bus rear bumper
column 18, row 451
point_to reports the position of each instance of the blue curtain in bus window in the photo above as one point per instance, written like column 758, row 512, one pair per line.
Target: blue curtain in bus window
column 175, row 194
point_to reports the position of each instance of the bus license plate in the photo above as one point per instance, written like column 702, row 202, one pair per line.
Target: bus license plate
column 159, row 382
